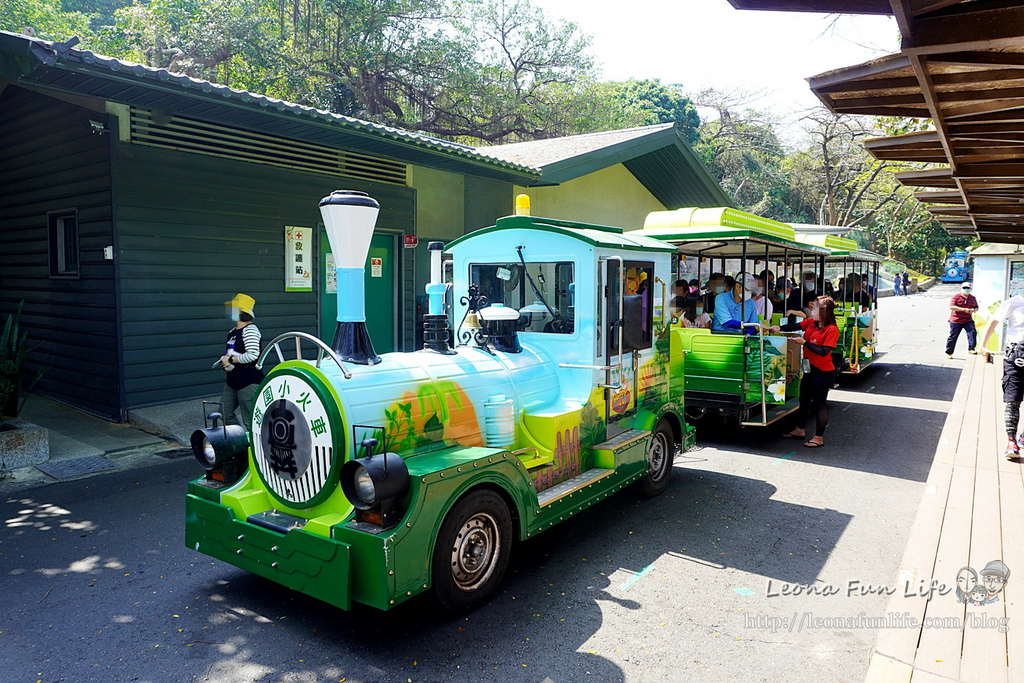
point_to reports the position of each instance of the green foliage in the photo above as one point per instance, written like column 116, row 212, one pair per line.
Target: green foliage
column 46, row 18
column 14, row 351
column 741, row 150
column 648, row 102
column 497, row 71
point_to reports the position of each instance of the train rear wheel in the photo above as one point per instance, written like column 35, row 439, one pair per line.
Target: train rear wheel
column 472, row 552
column 660, row 455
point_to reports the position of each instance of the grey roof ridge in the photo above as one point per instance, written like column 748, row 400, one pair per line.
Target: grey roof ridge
column 63, row 52
column 653, row 128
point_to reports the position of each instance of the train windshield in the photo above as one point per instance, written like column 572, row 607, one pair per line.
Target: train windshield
column 543, row 293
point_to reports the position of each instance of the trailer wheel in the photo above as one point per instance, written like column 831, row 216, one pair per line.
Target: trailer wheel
column 472, row 552
column 660, row 455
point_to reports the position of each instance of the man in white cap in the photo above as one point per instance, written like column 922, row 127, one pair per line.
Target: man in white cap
column 241, row 350
column 962, row 308
column 736, row 306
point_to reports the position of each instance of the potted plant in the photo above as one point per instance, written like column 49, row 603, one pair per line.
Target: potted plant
column 21, row 443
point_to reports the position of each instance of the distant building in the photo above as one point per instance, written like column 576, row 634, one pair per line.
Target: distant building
column 998, row 273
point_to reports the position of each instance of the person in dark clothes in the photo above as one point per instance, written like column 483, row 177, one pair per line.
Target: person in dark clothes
column 962, row 308
column 821, row 335
column 906, row 284
column 865, row 284
column 694, row 292
column 716, row 285
column 242, row 349
column 800, row 298
column 856, row 294
column 680, row 294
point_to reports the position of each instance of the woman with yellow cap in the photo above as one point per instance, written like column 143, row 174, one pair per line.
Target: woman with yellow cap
column 242, row 348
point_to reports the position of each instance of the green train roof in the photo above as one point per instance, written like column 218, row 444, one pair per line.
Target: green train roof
column 596, row 235
column 723, row 232
column 842, row 248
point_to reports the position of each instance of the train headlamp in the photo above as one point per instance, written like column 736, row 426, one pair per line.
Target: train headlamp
column 374, row 484
column 221, row 450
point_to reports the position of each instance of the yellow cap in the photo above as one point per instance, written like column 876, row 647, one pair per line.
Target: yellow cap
column 243, row 302
column 522, row 205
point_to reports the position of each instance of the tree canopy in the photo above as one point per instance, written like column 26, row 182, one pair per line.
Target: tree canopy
column 496, row 71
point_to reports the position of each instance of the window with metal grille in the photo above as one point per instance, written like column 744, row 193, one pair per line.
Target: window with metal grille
column 63, row 239
column 202, row 137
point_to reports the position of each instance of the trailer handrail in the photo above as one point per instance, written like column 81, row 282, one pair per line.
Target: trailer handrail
column 760, row 341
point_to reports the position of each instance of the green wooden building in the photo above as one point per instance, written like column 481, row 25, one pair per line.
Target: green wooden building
column 134, row 202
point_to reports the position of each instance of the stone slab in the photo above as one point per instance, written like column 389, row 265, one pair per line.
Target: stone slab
column 25, row 445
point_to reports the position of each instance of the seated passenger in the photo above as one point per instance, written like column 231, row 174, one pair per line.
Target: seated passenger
column 732, row 308
column 679, row 299
column 695, row 317
column 798, row 301
column 761, row 301
column 715, row 286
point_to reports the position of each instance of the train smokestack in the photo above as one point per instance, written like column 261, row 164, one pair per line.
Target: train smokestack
column 349, row 217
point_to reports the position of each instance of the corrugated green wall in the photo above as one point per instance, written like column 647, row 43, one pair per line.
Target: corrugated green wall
column 193, row 231
column 50, row 161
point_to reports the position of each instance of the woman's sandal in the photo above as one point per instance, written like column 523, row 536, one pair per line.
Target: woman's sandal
column 813, row 444
column 791, row 435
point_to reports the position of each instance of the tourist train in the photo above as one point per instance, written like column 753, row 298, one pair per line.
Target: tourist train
column 957, row 268
column 561, row 372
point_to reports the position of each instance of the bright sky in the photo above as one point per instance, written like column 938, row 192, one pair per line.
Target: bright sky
column 707, row 43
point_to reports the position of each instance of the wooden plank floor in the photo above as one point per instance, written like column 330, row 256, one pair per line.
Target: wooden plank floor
column 972, row 512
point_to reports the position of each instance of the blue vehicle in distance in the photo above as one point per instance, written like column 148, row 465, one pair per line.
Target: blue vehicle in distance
column 957, row 268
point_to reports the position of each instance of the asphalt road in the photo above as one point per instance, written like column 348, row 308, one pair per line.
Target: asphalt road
column 687, row 586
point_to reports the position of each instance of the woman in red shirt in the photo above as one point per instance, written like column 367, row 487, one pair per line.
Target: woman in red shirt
column 821, row 335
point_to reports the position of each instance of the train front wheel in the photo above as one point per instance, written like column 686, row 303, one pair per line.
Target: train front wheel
column 472, row 552
column 660, row 455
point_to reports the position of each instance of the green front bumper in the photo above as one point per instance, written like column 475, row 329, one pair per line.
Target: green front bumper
column 311, row 564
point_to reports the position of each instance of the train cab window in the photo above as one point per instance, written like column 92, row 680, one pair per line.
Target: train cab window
column 637, row 306
column 544, row 293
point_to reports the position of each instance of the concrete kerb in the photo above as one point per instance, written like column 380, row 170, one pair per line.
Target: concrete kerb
column 73, row 435
column 176, row 421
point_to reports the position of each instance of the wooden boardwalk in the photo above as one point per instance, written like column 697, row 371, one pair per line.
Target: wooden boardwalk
column 972, row 512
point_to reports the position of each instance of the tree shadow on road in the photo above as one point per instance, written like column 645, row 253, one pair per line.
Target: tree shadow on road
column 559, row 587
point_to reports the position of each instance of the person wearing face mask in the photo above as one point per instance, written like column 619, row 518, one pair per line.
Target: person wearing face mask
column 856, row 294
column 679, row 298
column 865, row 285
column 732, row 308
column 242, row 348
column 762, row 303
column 799, row 300
column 962, row 308
column 715, row 286
column 821, row 335
column 695, row 317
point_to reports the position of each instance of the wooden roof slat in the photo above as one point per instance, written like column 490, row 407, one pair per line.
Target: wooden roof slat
column 876, row 101
column 945, row 196
column 981, row 95
column 925, row 6
column 1008, row 116
column 869, row 84
column 993, row 58
column 967, row 58
column 996, row 170
column 826, row 6
column 935, row 177
column 992, row 106
column 988, row 138
column 957, row 32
